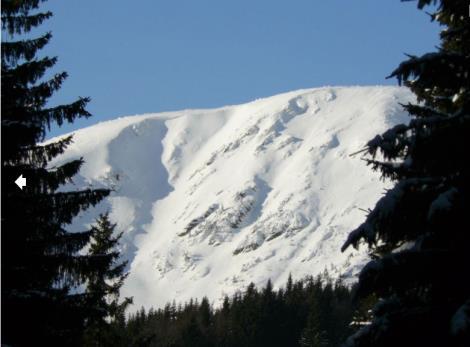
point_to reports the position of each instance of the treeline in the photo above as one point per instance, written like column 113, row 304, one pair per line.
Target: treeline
column 310, row 312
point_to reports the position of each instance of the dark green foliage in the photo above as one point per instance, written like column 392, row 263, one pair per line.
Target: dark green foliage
column 418, row 233
column 313, row 312
column 42, row 269
column 103, row 285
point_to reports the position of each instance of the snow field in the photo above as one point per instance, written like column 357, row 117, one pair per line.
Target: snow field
column 211, row 200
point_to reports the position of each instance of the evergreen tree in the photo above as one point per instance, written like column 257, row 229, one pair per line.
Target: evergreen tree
column 313, row 335
column 41, row 267
column 252, row 318
column 418, row 233
column 104, row 283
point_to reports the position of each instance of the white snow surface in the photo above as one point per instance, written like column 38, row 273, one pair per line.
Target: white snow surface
column 211, row 200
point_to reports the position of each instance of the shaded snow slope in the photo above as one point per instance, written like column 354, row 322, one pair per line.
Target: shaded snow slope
column 210, row 200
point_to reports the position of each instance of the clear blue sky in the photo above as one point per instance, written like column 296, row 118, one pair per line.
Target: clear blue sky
column 134, row 57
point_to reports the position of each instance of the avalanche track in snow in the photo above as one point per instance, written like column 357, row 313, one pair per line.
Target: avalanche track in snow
column 211, row 200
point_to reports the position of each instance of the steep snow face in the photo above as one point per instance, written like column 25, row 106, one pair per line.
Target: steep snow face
column 211, row 200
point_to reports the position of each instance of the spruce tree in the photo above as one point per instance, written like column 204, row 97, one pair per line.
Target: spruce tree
column 313, row 335
column 419, row 232
column 104, row 283
column 41, row 265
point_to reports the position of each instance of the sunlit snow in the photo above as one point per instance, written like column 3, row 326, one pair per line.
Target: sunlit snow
column 210, row 200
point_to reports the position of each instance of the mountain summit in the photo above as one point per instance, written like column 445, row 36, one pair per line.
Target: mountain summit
column 211, row 200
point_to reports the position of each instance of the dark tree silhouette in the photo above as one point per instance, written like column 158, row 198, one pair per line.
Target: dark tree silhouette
column 104, row 284
column 418, row 233
column 312, row 312
column 41, row 267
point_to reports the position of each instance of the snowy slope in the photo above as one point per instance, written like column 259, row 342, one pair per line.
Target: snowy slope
column 211, row 200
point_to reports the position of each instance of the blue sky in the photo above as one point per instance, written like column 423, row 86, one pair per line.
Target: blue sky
column 134, row 57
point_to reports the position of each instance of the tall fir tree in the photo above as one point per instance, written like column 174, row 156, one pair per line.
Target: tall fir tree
column 104, row 283
column 418, row 233
column 41, row 265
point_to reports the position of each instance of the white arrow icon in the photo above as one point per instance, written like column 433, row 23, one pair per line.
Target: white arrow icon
column 21, row 181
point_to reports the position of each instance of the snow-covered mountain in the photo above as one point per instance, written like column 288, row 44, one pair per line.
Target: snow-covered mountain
column 210, row 200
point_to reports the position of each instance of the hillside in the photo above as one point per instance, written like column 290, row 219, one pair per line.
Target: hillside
column 210, row 200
